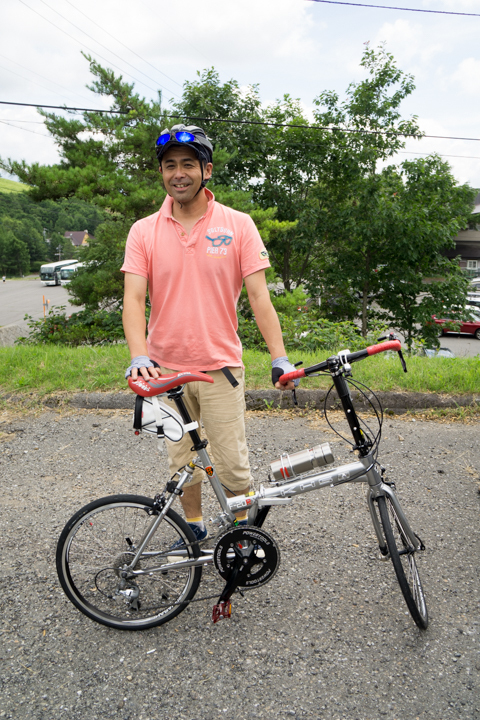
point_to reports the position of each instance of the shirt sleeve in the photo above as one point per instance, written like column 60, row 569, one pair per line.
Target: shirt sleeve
column 253, row 254
column 135, row 260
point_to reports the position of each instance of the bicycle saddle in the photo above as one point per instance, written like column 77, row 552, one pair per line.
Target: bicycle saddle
column 157, row 386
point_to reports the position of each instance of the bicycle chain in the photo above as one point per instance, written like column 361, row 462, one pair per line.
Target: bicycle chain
column 193, row 600
column 196, row 599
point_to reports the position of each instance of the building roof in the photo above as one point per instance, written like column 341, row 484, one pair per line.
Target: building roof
column 80, row 237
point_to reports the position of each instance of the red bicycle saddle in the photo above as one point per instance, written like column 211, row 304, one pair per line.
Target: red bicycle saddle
column 157, row 386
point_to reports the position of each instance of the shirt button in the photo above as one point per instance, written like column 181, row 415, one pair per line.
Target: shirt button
column 182, row 234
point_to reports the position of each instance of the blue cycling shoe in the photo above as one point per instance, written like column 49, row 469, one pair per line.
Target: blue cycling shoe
column 197, row 531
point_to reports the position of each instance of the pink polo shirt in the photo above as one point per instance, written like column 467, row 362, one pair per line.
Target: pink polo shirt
column 194, row 283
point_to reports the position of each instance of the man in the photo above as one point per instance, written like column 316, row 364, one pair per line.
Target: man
column 193, row 255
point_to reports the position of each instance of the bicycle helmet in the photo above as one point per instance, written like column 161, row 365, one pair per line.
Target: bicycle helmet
column 190, row 135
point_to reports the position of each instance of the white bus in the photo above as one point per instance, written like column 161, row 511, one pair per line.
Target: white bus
column 66, row 272
column 50, row 273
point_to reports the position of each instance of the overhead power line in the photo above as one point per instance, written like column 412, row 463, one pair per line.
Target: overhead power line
column 390, row 7
column 400, row 152
column 465, row 157
column 24, row 129
column 121, row 43
column 41, row 76
column 104, row 46
column 251, row 122
column 93, row 51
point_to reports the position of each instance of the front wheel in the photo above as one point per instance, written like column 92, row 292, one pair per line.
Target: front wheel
column 402, row 555
column 477, row 333
column 97, row 545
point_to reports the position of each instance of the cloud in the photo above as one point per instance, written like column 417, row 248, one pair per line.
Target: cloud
column 410, row 42
column 286, row 46
column 468, row 76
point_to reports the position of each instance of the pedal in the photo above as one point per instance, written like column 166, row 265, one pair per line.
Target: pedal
column 223, row 609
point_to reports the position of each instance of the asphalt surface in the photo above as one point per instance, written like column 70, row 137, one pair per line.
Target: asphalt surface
column 328, row 638
column 25, row 297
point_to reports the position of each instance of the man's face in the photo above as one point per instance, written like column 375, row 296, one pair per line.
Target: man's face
column 182, row 173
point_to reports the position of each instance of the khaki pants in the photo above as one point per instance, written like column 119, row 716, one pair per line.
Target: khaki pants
column 221, row 407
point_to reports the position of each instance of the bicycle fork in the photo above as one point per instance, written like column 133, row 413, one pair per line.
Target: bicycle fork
column 381, row 489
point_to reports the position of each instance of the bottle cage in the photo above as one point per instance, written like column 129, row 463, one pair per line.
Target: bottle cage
column 154, row 417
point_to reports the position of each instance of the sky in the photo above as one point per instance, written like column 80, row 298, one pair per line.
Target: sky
column 299, row 47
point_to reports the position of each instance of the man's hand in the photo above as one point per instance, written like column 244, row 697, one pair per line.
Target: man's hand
column 143, row 364
column 280, row 366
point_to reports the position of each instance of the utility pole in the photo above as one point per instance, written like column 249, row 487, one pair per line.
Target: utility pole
column 59, row 253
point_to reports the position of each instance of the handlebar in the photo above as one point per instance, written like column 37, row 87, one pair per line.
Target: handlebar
column 351, row 357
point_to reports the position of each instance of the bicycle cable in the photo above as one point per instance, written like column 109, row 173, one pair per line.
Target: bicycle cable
column 376, row 436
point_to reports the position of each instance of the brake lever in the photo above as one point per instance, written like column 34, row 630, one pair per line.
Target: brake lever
column 402, row 360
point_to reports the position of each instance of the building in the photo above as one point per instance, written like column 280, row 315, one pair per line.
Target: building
column 467, row 246
column 79, row 238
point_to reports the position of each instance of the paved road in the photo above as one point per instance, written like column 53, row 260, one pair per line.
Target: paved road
column 461, row 346
column 329, row 638
column 21, row 297
column 18, row 297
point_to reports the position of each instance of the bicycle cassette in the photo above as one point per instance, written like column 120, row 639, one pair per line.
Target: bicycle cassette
column 247, row 546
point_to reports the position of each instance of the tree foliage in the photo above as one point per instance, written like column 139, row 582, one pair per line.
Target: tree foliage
column 38, row 228
column 365, row 236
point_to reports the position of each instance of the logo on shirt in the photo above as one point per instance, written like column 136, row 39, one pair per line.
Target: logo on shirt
column 219, row 244
column 220, row 240
column 263, row 255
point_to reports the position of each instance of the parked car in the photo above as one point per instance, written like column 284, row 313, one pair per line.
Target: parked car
column 473, row 311
column 459, row 324
column 441, row 352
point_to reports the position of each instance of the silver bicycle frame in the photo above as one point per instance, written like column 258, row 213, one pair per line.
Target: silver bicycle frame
column 362, row 470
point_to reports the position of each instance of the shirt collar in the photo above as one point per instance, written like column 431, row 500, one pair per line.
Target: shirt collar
column 167, row 205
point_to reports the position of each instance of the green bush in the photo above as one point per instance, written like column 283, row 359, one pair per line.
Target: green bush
column 81, row 328
column 307, row 333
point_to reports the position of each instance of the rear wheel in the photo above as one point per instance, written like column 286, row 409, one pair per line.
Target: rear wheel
column 402, row 555
column 477, row 333
column 100, row 541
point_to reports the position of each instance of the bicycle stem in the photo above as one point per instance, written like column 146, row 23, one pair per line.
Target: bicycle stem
column 362, row 444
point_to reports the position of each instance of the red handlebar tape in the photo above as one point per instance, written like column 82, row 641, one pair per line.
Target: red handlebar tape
column 372, row 350
column 390, row 345
column 294, row 375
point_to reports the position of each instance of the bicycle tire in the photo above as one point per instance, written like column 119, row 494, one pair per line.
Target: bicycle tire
column 402, row 555
column 100, row 539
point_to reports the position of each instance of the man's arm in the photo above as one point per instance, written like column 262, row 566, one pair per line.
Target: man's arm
column 266, row 317
column 134, row 323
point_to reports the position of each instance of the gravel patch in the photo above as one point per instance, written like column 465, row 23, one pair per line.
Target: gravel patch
column 330, row 637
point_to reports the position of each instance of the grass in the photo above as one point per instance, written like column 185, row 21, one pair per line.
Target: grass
column 42, row 370
column 10, row 186
column 450, row 376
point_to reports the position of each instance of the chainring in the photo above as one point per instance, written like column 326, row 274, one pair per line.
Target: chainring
column 238, row 543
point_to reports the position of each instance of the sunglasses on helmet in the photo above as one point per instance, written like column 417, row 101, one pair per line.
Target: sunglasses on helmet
column 183, row 137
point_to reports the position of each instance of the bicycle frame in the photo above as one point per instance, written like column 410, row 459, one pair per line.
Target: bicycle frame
column 258, row 504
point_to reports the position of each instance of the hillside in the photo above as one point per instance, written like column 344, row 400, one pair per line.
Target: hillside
column 10, row 186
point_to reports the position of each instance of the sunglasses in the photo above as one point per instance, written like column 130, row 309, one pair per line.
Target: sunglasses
column 183, row 137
